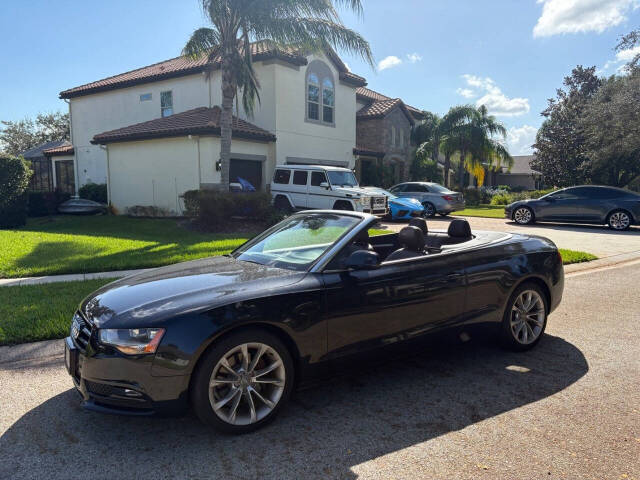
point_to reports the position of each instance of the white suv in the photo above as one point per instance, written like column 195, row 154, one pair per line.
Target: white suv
column 319, row 186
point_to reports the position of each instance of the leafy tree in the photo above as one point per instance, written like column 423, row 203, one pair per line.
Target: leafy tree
column 307, row 25
column 560, row 148
column 611, row 127
column 627, row 42
column 424, row 167
column 16, row 137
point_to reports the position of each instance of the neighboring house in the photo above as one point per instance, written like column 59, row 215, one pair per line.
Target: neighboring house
column 383, row 137
column 521, row 175
column 154, row 132
column 52, row 165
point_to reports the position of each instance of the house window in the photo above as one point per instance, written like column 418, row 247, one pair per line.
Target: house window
column 401, row 135
column 166, row 103
column 313, row 97
column 328, row 100
column 145, row 97
column 393, row 135
column 320, row 93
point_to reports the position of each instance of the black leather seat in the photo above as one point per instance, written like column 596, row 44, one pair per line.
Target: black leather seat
column 421, row 223
column 459, row 231
column 360, row 242
column 412, row 241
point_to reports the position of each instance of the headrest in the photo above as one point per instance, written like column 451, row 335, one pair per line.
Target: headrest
column 421, row 223
column 459, row 228
column 362, row 237
column 411, row 238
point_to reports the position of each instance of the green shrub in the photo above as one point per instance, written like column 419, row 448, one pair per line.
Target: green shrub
column 94, row 191
column 507, row 198
column 502, row 199
column 45, row 203
column 14, row 181
column 213, row 208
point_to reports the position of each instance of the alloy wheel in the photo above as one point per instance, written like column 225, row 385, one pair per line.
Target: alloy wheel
column 527, row 317
column 522, row 215
column 429, row 210
column 619, row 221
column 247, row 383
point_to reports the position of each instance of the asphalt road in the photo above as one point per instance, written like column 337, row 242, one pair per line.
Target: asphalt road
column 596, row 239
column 568, row 409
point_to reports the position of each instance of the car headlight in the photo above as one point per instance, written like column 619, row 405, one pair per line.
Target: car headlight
column 365, row 201
column 132, row 341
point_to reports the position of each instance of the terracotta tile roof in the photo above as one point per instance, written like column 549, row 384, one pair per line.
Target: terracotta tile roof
column 181, row 66
column 381, row 108
column 368, row 95
column 199, row 121
column 65, row 149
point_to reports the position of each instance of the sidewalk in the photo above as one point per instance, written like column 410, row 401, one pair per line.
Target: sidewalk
column 74, row 277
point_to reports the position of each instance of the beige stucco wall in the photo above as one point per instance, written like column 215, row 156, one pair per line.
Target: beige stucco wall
column 158, row 172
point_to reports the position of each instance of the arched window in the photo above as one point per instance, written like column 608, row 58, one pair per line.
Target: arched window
column 320, row 90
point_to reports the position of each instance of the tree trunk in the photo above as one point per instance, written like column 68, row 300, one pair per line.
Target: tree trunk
column 226, row 123
column 461, row 171
column 447, row 167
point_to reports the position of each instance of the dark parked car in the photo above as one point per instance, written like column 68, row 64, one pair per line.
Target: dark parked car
column 434, row 197
column 232, row 335
column 615, row 207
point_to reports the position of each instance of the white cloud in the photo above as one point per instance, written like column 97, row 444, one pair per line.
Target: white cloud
column 621, row 59
column 492, row 97
column 414, row 57
column 579, row 16
column 520, row 139
column 389, row 62
column 466, row 92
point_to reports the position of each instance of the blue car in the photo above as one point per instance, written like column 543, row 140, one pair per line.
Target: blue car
column 400, row 208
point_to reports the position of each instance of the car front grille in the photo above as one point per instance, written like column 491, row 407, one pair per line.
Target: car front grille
column 80, row 331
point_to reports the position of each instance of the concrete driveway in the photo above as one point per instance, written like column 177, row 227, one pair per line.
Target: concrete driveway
column 568, row 409
column 595, row 239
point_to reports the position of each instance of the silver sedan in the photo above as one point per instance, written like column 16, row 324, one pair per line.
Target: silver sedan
column 434, row 197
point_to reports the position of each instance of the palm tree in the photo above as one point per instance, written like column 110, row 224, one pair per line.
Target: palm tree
column 454, row 134
column 305, row 25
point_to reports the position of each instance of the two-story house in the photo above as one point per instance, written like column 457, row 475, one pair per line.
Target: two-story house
column 154, row 132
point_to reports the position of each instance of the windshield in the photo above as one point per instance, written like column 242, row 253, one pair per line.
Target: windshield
column 342, row 179
column 434, row 187
column 297, row 242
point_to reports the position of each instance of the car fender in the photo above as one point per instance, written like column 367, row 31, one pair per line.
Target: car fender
column 285, row 195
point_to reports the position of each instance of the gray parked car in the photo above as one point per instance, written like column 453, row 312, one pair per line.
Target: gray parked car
column 615, row 207
column 435, row 198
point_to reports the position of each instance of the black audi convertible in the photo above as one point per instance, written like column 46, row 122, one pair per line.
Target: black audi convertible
column 231, row 336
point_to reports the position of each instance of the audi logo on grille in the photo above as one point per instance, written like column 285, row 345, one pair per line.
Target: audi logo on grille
column 76, row 326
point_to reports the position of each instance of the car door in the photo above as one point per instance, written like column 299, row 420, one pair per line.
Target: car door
column 319, row 196
column 399, row 301
column 298, row 188
column 595, row 203
column 559, row 206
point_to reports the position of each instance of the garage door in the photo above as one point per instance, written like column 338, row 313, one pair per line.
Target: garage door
column 249, row 170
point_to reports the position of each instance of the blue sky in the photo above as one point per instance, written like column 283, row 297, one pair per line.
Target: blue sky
column 508, row 54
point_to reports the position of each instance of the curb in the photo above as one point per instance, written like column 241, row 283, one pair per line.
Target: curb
column 603, row 262
column 32, row 351
column 73, row 277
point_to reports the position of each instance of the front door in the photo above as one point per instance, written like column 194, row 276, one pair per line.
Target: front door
column 560, row 206
column 65, row 178
column 319, row 196
column 397, row 302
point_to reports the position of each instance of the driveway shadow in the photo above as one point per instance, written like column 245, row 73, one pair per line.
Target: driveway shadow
column 573, row 227
column 323, row 433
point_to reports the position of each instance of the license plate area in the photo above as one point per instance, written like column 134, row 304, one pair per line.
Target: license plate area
column 70, row 357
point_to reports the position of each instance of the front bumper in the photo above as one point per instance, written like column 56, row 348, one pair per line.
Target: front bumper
column 115, row 383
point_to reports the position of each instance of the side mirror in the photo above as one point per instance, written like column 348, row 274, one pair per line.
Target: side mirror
column 363, row 260
column 325, row 185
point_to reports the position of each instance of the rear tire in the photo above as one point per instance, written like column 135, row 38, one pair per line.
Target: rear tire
column 281, row 203
column 523, row 216
column 429, row 210
column 525, row 318
column 242, row 382
column 619, row 220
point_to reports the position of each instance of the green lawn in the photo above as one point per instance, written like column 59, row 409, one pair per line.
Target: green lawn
column 39, row 312
column 574, row 256
column 488, row 211
column 65, row 244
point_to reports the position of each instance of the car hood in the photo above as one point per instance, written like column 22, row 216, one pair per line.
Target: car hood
column 406, row 202
column 147, row 298
column 521, row 202
column 356, row 191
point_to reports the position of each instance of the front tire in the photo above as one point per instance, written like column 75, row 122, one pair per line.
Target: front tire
column 243, row 381
column 619, row 220
column 282, row 204
column 429, row 210
column 525, row 318
column 343, row 205
column 523, row 216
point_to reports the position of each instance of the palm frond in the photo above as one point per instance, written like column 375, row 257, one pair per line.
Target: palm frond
column 201, row 43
